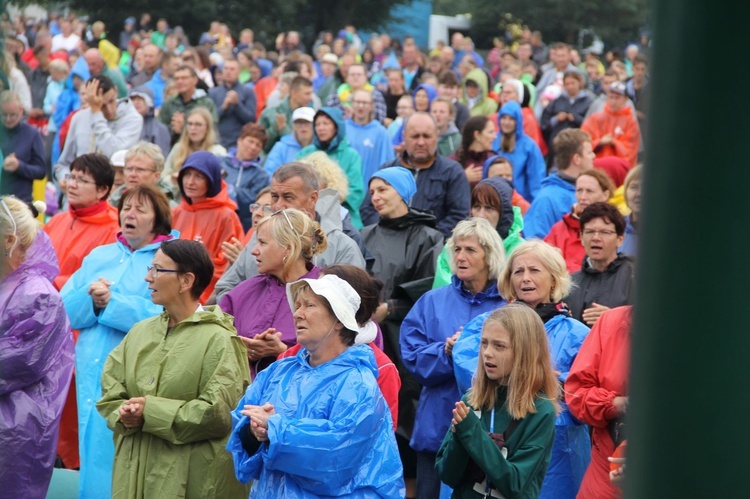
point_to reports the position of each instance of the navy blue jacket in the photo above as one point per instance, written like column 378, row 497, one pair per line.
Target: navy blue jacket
column 234, row 117
column 442, row 189
column 26, row 142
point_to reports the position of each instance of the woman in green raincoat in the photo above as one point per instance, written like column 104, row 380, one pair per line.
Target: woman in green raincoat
column 170, row 385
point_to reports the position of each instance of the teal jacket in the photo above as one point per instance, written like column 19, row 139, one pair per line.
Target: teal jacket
column 521, row 473
column 339, row 150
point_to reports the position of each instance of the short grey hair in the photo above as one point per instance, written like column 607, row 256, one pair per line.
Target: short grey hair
column 488, row 238
column 151, row 151
column 297, row 169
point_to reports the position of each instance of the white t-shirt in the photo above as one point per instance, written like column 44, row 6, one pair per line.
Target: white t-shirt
column 59, row 42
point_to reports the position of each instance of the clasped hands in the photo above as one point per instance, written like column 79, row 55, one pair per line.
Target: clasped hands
column 259, row 415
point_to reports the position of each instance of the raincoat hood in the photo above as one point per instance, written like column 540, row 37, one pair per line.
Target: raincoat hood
column 328, row 210
column 452, row 128
column 414, row 217
column 79, row 69
column 431, row 94
column 479, row 77
column 146, row 91
column 207, row 164
column 340, row 138
column 505, row 191
column 512, row 109
column 219, row 200
column 41, row 257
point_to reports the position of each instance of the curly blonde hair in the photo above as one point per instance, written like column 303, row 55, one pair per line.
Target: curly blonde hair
column 329, row 173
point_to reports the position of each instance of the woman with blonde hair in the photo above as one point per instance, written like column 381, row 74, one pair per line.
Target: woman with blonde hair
column 535, row 275
column 592, row 186
column 513, row 398
column 330, row 174
column 287, row 242
column 199, row 134
column 36, row 353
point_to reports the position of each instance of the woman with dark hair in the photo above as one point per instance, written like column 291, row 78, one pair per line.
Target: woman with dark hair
column 316, row 424
column 369, row 290
column 476, row 147
column 607, row 277
column 170, row 384
column 206, row 213
column 104, row 299
column 243, row 171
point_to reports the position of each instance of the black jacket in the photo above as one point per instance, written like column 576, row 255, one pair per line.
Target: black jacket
column 613, row 288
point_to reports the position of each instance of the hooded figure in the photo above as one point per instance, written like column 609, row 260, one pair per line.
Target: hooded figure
column 509, row 227
column 431, row 96
column 481, row 104
column 67, row 102
column 528, row 164
column 339, row 150
column 36, row 364
column 212, row 220
column 154, row 131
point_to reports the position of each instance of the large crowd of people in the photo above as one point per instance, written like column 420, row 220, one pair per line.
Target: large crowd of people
column 362, row 269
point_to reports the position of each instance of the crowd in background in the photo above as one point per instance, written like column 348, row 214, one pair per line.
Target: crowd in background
column 402, row 197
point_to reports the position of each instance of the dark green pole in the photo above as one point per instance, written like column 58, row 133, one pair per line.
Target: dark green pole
column 689, row 423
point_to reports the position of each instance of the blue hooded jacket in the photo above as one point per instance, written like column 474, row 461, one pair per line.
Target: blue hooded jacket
column 572, row 449
column 245, row 179
column 100, row 333
column 553, row 201
column 347, row 158
column 332, row 434
column 436, row 316
column 283, row 151
column 528, row 163
column 67, row 102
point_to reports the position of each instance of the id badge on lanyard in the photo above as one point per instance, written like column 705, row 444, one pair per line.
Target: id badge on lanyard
column 483, row 487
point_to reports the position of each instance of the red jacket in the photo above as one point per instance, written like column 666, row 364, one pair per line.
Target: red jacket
column 211, row 222
column 566, row 235
column 624, row 129
column 388, row 379
column 598, row 375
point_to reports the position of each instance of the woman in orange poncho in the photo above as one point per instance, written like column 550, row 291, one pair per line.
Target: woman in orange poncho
column 206, row 213
column 90, row 222
column 614, row 131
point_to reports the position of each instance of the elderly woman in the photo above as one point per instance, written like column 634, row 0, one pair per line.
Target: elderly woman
column 170, row 384
column 287, row 242
column 36, row 354
column 430, row 330
column 632, row 190
column 316, row 424
column 104, row 299
column 597, row 392
column 243, row 171
column 206, row 213
column 536, row 275
column 607, row 277
column 592, row 186
column 199, row 135
column 491, row 199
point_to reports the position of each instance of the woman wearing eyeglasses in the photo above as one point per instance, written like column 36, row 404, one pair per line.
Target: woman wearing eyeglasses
column 259, row 209
column 206, row 213
column 104, row 299
column 607, row 277
column 287, row 242
column 199, row 134
column 169, row 386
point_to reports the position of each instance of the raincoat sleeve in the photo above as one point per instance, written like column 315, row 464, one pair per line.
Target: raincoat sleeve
column 536, row 169
column 78, row 302
column 466, row 352
column 206, row 417
column 510, row 476
column 586, row 400
column 32, row 339
column 115, row 390
column 571, row 335
column 540, row 218
column 124, row 311
column 338, row 444
column 425, row 358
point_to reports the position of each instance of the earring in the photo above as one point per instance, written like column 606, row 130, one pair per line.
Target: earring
column 284, row 259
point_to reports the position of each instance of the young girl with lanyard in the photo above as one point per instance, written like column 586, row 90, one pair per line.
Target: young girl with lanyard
column 500, row 442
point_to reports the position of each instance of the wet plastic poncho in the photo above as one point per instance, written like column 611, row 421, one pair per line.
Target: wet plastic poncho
column 36, row 364
column 191, row 375
column 331, row 435
column 572, row 448
column 100, row 332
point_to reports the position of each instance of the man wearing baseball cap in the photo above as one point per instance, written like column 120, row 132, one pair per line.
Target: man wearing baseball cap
column 286, row 149
column 614, row 131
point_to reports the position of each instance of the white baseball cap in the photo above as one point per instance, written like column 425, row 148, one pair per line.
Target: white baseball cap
column 303, row 113
column 118, row 158
column 340, row 295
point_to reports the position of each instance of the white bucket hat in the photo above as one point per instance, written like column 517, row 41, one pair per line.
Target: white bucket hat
column 342, row 297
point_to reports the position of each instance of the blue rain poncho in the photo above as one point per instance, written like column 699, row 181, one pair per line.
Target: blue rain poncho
column 332, row 433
